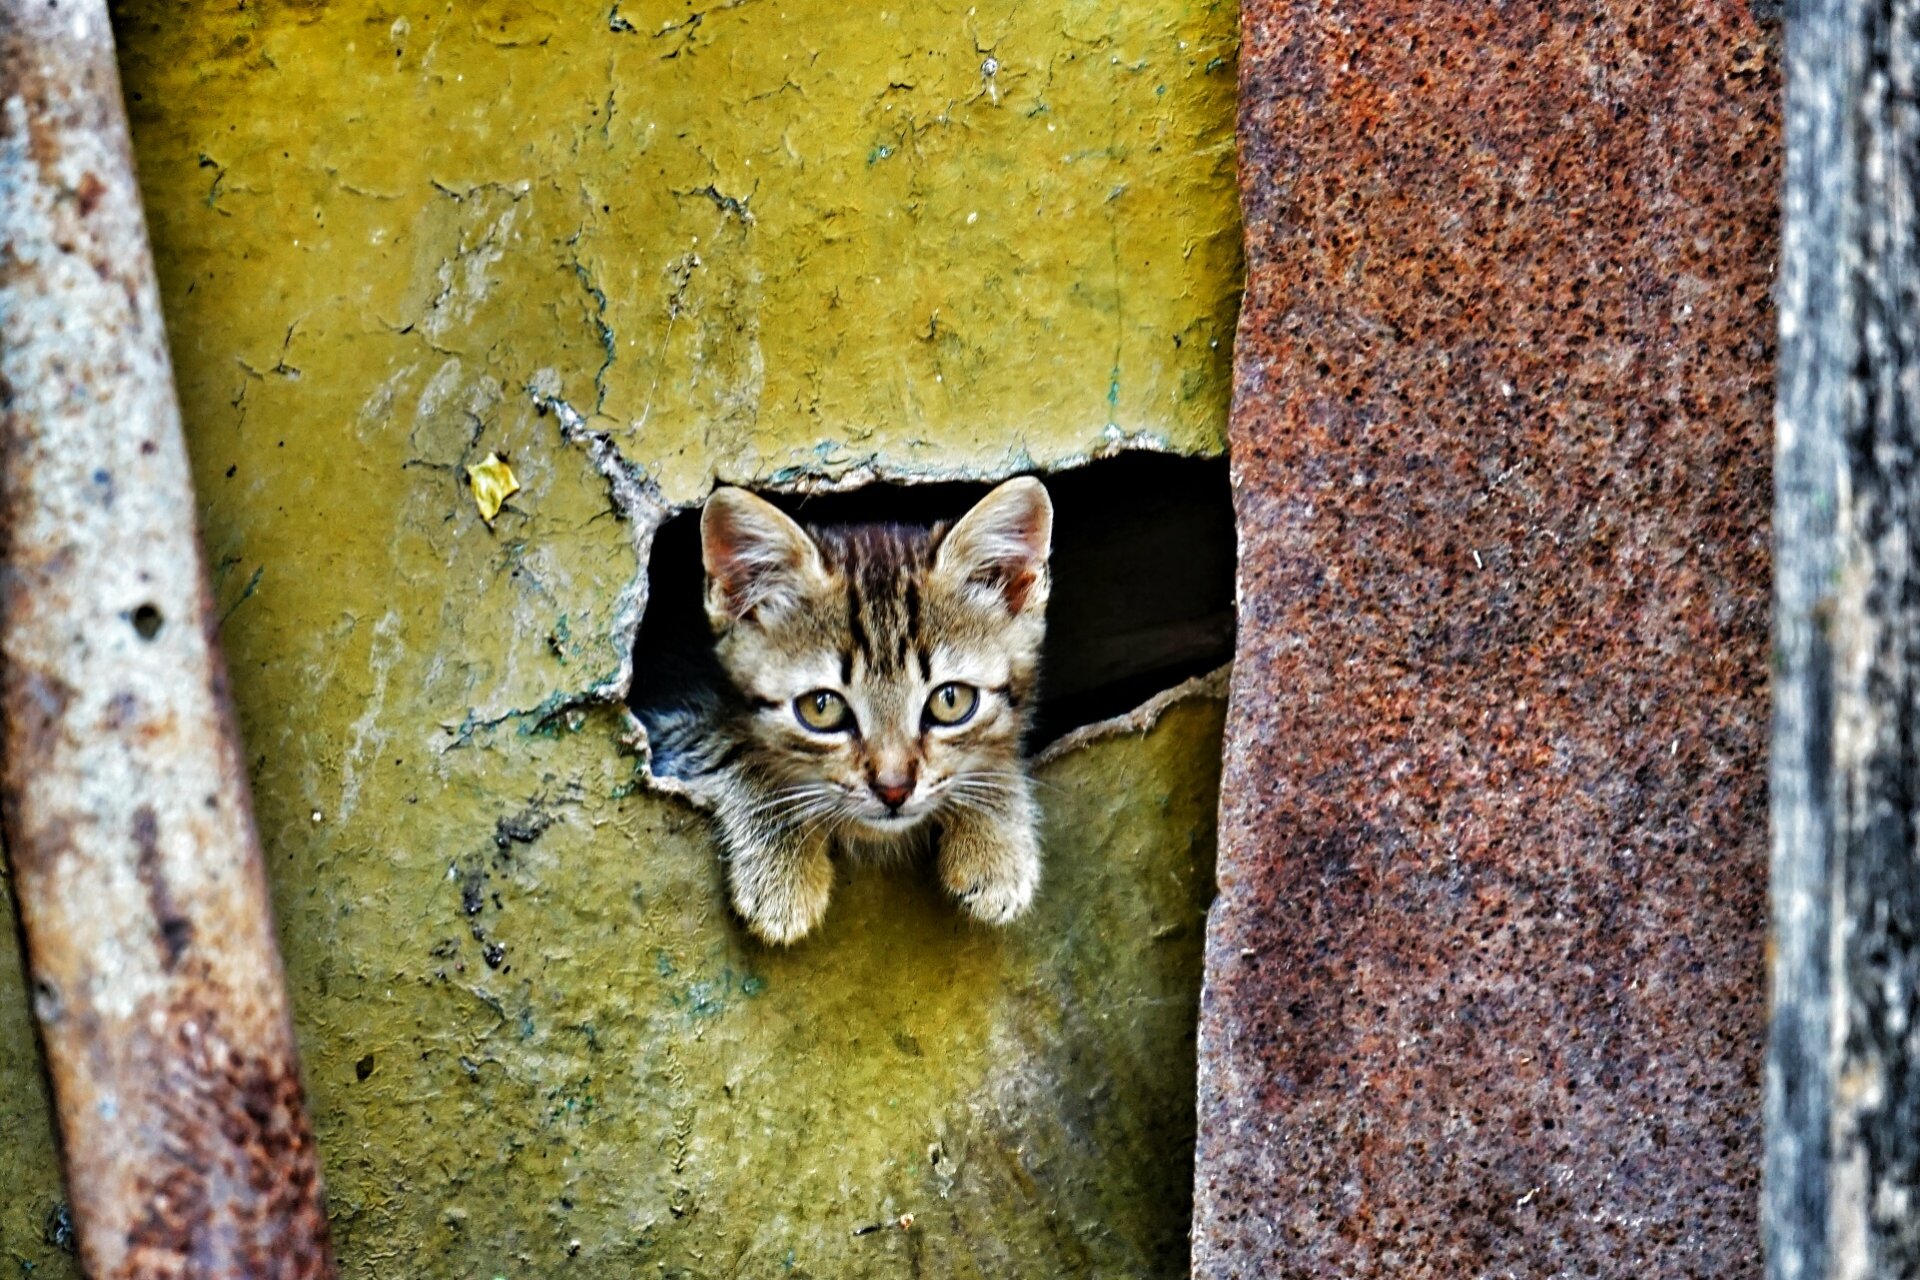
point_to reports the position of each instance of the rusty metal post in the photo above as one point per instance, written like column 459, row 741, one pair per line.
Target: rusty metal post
column 1485, row 979
column 157, row 984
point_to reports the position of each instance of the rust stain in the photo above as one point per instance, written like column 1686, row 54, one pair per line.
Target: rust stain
column 242, row 1116
column 87, row 194
column 37, row 704
column 1485, row 987
column 33, row 708
column 173, row 931
column 25, row 83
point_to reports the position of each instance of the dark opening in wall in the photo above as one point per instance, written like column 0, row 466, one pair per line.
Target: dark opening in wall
column 1143, row 565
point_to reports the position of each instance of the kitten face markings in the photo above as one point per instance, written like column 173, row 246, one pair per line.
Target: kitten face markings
column 884, row 675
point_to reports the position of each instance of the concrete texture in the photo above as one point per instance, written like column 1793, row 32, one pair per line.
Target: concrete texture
column 754, row 242
column 1485, row 989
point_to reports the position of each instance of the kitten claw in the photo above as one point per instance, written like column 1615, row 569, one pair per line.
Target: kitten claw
column 997, row 904
column 1000, row 901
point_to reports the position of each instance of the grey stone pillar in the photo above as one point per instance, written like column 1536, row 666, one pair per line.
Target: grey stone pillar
column 1843, row 1070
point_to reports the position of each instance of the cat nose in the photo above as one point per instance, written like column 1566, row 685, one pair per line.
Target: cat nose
column 893, row 792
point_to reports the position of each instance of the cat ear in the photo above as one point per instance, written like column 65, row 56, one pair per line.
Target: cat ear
column 755, row 556
column 1003, row 544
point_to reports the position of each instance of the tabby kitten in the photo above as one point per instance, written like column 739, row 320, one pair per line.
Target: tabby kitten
column 882, row 678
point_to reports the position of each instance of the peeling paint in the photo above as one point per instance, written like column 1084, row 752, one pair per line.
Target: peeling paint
column 366, row 730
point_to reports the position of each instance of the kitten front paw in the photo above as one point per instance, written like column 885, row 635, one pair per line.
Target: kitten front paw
column 999, row 901
column 782, row 902
column 993, row 873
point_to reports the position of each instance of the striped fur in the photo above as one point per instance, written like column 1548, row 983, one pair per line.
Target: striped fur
column 882, row 617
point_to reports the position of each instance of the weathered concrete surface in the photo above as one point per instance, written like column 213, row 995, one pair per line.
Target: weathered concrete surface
column 155, row 976
column 1485, row 982
column 767, row 241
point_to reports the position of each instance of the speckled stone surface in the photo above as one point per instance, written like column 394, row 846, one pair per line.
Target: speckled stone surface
column 1485, row 989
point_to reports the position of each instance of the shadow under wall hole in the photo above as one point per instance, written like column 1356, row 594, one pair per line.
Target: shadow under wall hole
column 1142, row 599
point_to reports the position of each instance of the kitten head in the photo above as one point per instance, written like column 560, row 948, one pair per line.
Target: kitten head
column 887, row 670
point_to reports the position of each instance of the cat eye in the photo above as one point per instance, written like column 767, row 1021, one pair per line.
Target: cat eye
column 823, row 711
column 952, row 704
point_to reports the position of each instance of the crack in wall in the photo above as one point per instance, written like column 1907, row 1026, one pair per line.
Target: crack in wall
column 608, row 345
column 733, row 206
column 466, row 278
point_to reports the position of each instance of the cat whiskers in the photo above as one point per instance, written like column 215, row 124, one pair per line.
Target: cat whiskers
column 1015, row 777
column 981, row 792
column 791, row 806
column 834, row 812
column 1012, row 778
column 833, row 819
column 774, row 799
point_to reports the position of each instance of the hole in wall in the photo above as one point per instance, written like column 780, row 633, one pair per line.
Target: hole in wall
column 147, row 621
column 1142, row 593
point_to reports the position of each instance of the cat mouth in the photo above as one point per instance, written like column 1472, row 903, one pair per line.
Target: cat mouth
column 892, row 821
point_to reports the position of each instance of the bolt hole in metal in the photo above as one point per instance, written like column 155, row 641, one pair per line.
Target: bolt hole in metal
column 1142, row 598
column 146, row 621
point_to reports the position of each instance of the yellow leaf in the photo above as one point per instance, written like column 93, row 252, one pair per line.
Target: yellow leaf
column 493, row 483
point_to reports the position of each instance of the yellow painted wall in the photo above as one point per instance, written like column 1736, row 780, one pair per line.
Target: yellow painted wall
column 758, row 241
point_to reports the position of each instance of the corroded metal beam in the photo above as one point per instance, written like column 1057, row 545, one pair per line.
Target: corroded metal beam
column 1485, row 979
column 157, row 983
